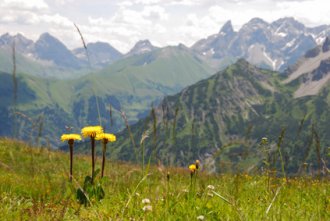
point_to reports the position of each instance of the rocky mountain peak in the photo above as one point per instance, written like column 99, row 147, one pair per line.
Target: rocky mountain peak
column 22, row 44
column 288, row 24
column 227, row 28
column 141, row 47
column 46, row 37
column 50, row 48
column 256, row 23
column 326, row 45
column 100, row 53
column 5, row 38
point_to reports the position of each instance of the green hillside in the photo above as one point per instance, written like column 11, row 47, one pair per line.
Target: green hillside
column 134, row 83
column 130, row 85
column 36, row 68
column 34, row 185
column 223, row 118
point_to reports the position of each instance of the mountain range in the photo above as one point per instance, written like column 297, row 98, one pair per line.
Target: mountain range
column 198, row 112
column 275, row 46
column 131, row 85
column 222, row 120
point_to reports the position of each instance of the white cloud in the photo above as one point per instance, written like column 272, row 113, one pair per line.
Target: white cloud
column 125, row 3
column 24, row 18
column 122, row 23
column 57, row 20
column 131, row 17
column 62, row 2
column 147, row 2
column 318, row 10
column 24, row 4
column 185, row 2
column 154, row 13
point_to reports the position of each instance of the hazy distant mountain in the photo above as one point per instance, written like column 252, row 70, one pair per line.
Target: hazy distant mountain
column 51, row 49
column 275, row 45
column 141, row 47
column 100, row 54
column 22, row 44
column 47, row 57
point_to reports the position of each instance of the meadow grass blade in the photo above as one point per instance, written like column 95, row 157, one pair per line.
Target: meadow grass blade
column 318, row 151
column 174, row 124
column 223, row 198
column 14, row 89
column 40, row 122
column 110, row 115
column 307, row 151
column 133, row 193
column 279, row 143
column 273, row 200
column 130, row 134
column 84, row 44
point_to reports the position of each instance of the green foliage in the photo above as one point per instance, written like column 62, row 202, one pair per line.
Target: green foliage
column 34, row 186
column 91, row 191
column 225, row 116
column 129, row 85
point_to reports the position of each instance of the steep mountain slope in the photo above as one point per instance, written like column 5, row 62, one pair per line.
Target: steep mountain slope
column 275, row 45
column 49, row 48
column 47, row 57
column 222, row 119
column 22, row 44
column 34, row 67
column 141, row 47
column 312, row 72
column 130, row 85
column 134, row 83
column 42, row 107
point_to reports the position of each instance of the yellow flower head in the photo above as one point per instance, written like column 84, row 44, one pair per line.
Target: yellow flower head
column 106, row 136
column 192, row 168
column 91, row 131
column 65, row 137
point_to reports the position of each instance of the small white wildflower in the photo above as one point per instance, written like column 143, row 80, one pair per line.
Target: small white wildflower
column 211, row 187
column 147, row 208
column 185, row 191
column 201, row 217
column 210, row 194
column 146, row 201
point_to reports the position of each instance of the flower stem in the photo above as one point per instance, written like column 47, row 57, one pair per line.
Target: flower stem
column 103, row 156
column 70, row 142
column 93, row 157
column 142, row 159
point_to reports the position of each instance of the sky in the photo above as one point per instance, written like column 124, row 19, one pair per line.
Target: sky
column 164, row 22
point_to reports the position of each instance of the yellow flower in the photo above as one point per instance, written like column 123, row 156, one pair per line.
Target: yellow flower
column 106, row 136
column 192, row 168
column 91, row 131
column 65, row 137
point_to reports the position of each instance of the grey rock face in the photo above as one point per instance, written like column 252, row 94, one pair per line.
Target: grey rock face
column 275, row 45
column 49, row 48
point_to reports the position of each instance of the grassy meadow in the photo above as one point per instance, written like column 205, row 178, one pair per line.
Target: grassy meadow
column 34, row 185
